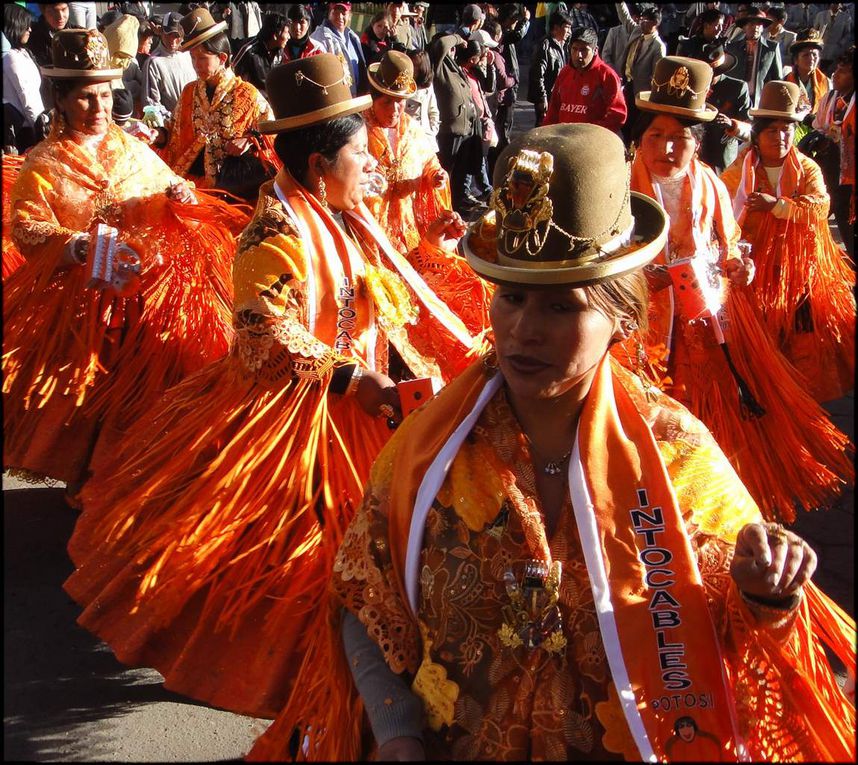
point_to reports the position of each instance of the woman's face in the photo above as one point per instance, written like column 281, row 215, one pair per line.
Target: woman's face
column 667, row 146
column 207, row 64
column 347, row 177
column 548, row 341
column 388, row 110
column 87, row 108
column 381, row 29
column 775, row 141
column 807, row 60
column 298, row 28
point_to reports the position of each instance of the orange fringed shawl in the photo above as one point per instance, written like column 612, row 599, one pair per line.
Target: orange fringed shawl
column 787, row 702
column 12, row 257
column 79, row 366
column 804, row 281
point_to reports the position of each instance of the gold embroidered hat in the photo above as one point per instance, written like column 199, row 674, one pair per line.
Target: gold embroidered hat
column 807, row 38
column 393, row 75
column 679, row 87
column 80, row 54
column 199, row 26
column 562, row 212
column 779, row 100
column 310, row 90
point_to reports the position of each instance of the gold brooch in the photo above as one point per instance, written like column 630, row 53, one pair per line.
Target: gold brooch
column 533, row 618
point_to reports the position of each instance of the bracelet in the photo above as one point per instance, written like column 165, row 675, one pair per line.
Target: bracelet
column 352, row 387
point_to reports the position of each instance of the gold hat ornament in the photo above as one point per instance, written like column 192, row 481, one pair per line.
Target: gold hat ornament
column 80, row 54
column 393, row 75
column 807, row 38
column 562, row 212
column 679, row 87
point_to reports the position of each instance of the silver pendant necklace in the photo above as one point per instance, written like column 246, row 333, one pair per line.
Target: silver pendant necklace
column 555, row 467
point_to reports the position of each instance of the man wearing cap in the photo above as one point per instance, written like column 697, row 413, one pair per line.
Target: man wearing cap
column 169, row 69
column 471, row 20
column 837, row 30
column 757, row 60
column 336, row 37
column 587, row 89
column 730, row 97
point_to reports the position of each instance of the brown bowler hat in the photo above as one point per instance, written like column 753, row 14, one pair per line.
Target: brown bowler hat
column 310, row 90
column 779, row 100
column 199, row 26
column 562, row 212
column 393, row 75
column 80, row 54
column 807, row 38
column 679, row 87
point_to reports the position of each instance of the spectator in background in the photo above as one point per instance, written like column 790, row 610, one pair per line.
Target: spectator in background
column 474, row 58
column 123, row 116
column 758, row 60
column 336, row 37
column 166, row 73
column 581, row 17
column 419, row 33
column 82, row 15
column 300, row 44
column 801, row 15
column 587, row 89
column 548, row 59
column 492, row 32
column 422, row 106
column 244, row 20
column 376, row 38
column 147, row 37
column 458, row 115
column 729, row 95
column 121, row 38
column 257, row 56
column 709, row 26
column 777, row 33
column 837, row 30
column 472, row 19
column 614, row 47
column 645, row 48
column 734, row 31
column 54, row 16
column 22, row 100
column 515, row 21
column 398, row 16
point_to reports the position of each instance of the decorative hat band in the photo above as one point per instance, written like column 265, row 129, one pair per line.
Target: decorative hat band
column 679, row 83
column 345, row 79
column 403, row 81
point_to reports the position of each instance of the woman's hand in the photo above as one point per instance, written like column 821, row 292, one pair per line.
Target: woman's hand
column 181, row 192
column 439, row 177
column 759, row 202
column 376, row 393
column 740, row 271
column 401, row 749
column 236, row 146
column 446, row 230
column 771, row 562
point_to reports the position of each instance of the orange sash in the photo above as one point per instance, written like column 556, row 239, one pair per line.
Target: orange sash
column 788, row 184
column 819, row 86
column 659, row 637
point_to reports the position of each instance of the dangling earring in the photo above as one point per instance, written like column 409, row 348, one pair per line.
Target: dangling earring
column 490, row 363
column 323, row 192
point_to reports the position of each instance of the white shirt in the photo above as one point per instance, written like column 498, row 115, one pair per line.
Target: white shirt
column 21, row 84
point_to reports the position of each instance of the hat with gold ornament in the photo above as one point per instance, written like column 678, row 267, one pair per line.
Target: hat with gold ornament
column 309, row 91
column 199, row 26
column 393, row 75
column 779, row 100
column 80, row 54
column 562, row 212
column 679, row 87
column 807, row 38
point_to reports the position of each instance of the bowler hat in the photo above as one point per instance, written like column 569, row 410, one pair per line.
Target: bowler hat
column 779, row 100
column 562, row 212
column 807, row 38
column 80, row 54
column 679, row 87
column 199, row 26
column 308, row 91
column 393, row 75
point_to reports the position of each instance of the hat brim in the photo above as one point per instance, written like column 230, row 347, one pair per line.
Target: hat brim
column 650, row 231
column 728, row 66
column 91, row 75
column 342, row 109
column 797, row 46
column 706, row 114
column 372, row 70
column 788, row 116
column 203, row 36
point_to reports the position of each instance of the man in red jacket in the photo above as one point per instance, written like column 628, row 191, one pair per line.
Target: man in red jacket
column 587, row 89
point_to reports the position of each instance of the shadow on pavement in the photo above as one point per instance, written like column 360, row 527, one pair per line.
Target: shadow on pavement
column 57, row 676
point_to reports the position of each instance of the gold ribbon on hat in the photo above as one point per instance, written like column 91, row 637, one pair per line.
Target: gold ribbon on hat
column 679, row 83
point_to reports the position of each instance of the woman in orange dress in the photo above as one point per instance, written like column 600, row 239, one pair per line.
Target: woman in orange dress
column 83, row 358
column 804, row 281
column 216, row 113
column 721, row 362
column 811, row 80
column 550, row 564
column 204, row 548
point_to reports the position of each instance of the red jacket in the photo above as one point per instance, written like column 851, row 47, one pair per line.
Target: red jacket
column 593, row 95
